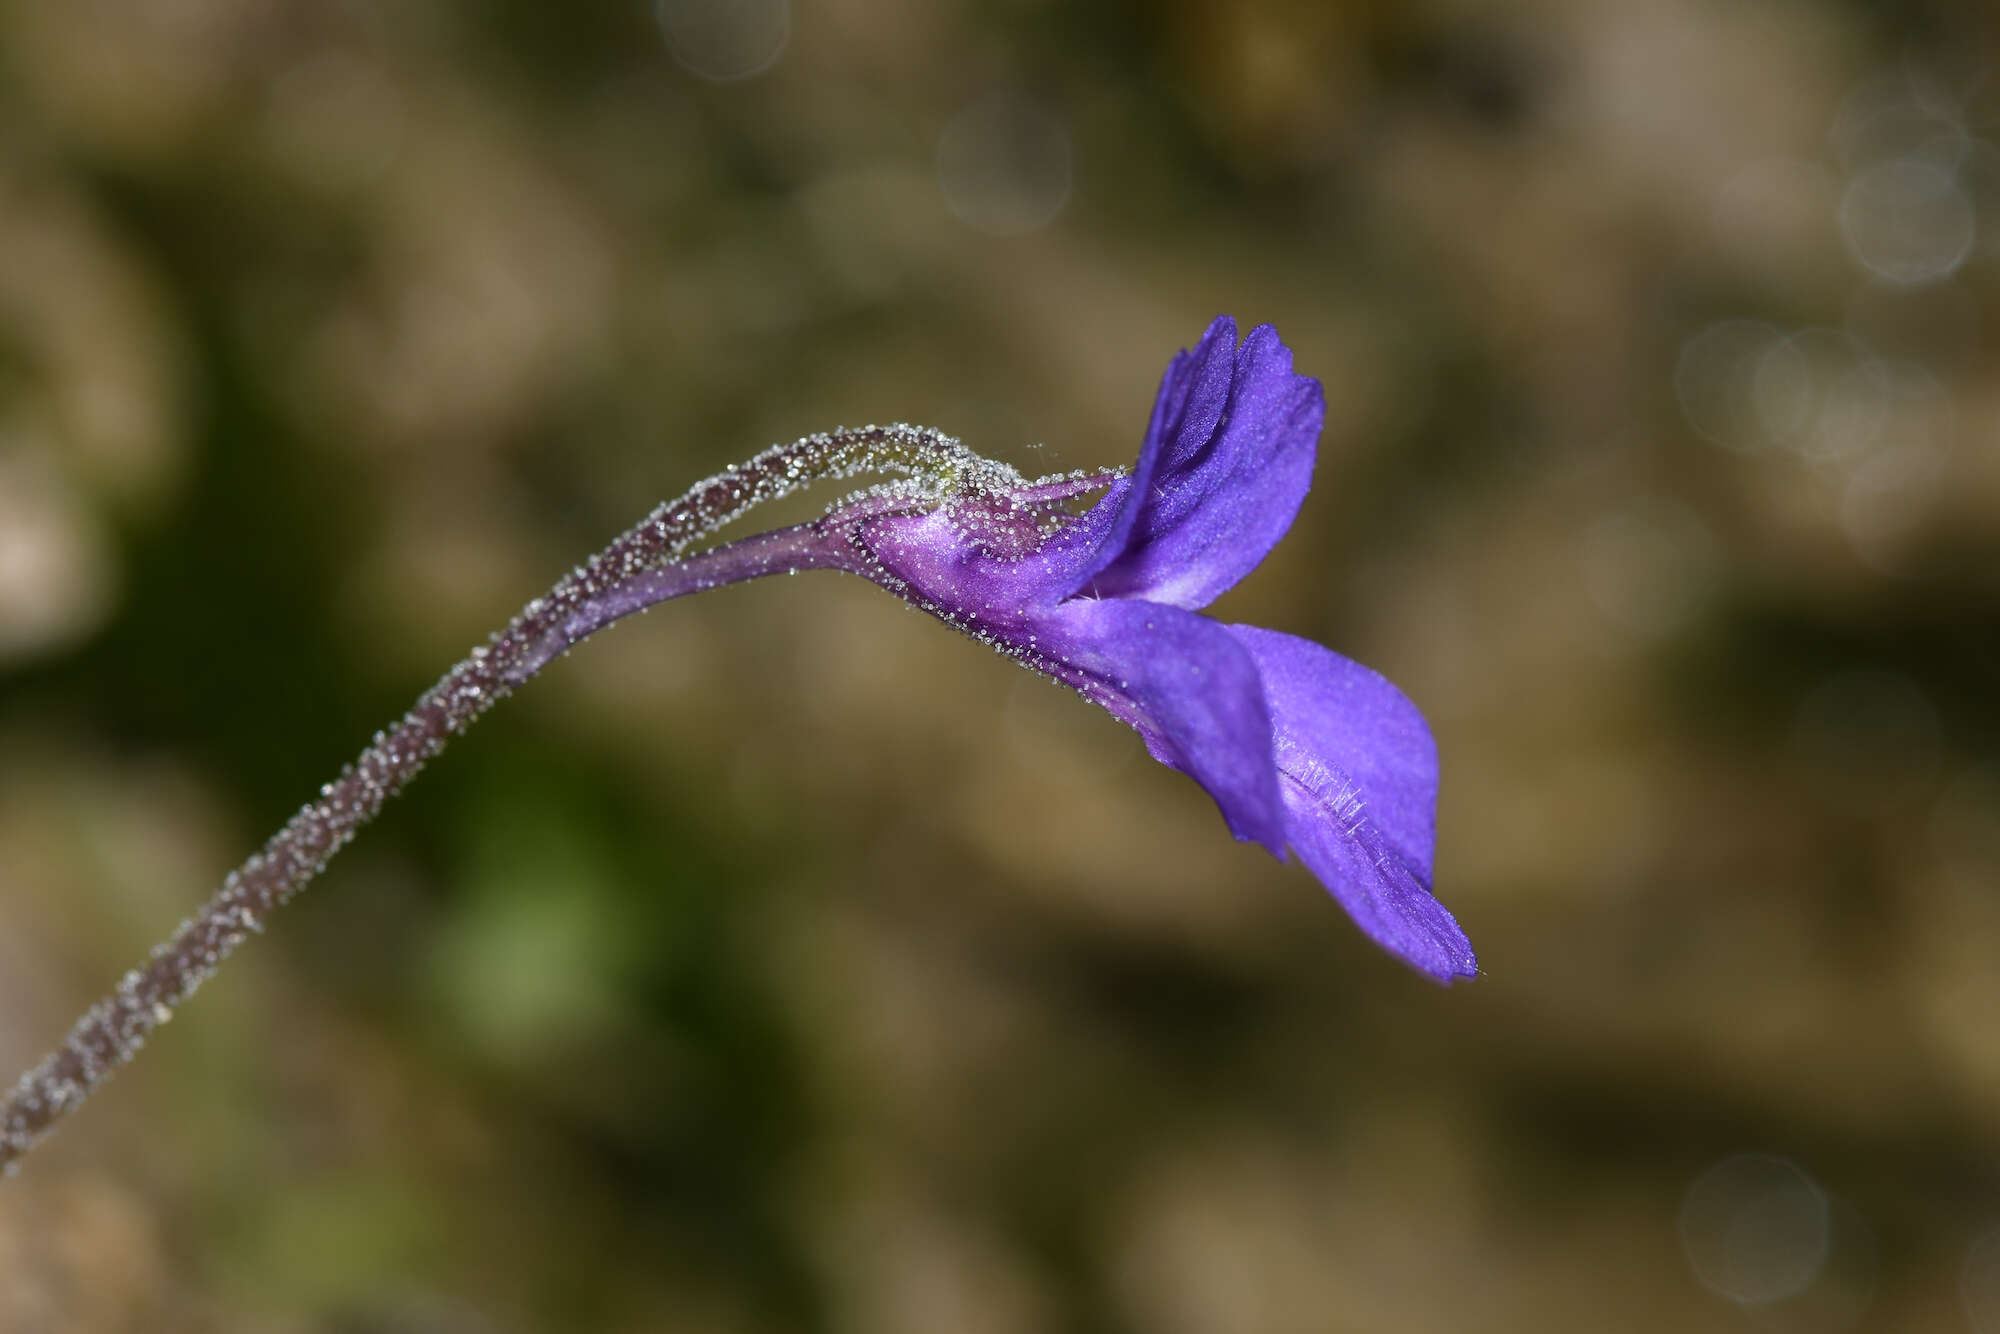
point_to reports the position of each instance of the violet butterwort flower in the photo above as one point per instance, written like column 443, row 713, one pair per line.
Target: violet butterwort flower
column 1298, row 746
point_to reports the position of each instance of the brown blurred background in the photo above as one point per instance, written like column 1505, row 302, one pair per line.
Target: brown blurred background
column 781, row 962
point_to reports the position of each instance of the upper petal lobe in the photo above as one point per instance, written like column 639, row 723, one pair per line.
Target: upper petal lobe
column 1193, row 395
column 1226, row 463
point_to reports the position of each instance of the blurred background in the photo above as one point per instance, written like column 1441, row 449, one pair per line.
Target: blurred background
column 782, row 962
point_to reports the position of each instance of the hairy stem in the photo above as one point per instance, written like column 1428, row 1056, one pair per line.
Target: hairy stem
column 644, row 566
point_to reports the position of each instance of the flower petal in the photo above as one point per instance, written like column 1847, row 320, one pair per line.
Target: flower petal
column 1226, row 464
column 1358, row 775
column 1192, row 397
column 1330, row 830
column 1192, row 692
column 1339, row 713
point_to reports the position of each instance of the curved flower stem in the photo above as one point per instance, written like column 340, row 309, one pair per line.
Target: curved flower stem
column 642, row 567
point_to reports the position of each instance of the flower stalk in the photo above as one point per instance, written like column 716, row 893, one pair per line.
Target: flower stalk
column 646, row 565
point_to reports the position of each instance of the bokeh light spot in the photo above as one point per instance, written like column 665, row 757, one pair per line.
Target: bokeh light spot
column 1907, row 221
column 1755, row 1229
column 1820, row 395
column 56, row 570
column 725, row 40
column 1895, row 116
column 1979, row 1284
column 1715, row 381
column 1004, row 164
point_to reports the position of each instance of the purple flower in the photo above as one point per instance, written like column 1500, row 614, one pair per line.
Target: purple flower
column 1297, row 745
